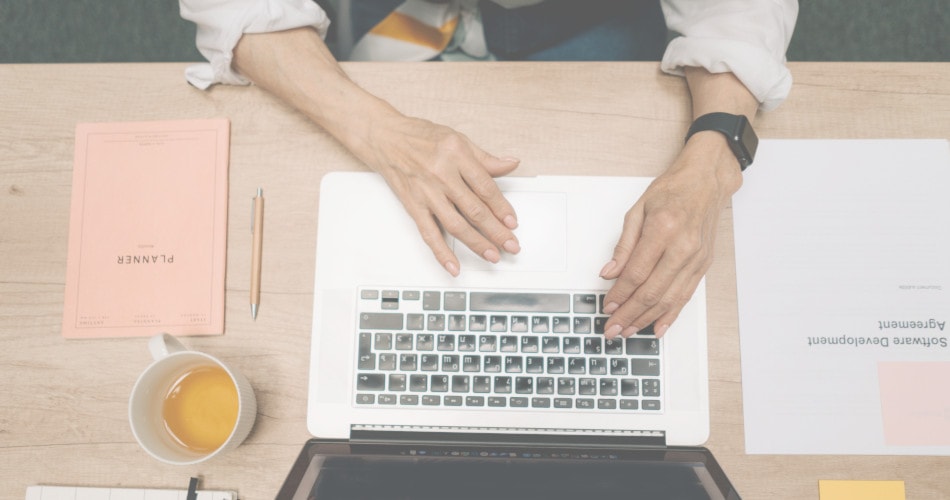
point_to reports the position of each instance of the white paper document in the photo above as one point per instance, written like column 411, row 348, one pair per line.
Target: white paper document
column 843, row 276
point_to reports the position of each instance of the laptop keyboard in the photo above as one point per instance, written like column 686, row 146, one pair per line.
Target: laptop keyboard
column 491, row 349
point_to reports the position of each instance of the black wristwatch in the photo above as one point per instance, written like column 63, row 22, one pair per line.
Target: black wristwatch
column 738, row 131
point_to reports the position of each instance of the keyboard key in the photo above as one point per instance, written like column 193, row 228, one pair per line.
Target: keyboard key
column 383, row 341
column 460, row 383
column 577, row 366
column 530, row 344
column 648, row 367
column 492, row 364
column 409, row 399
column 425, row 342
column 614, row 346
column 418, row 383
column 540, row 402
column 481, row 384
column 566, row 386
column 428, row 362
column 629, row 404
column 544, row 385
column 477, row 323
column 608, row 387
column 431, row 301
column 397, row 382
column 381, row 321
column 457, row 322
column 563, row 403
column 454, row 301
column 618, row 366
column 487, row 343
column 502, row 385
column 651, row 405
column 439, row 383
column 642, row 347
column 585, row 303
column 435, row 322
column 593, row 345
column 411, row 295
column 572, row 345
column 629, row 387
column 540, row 324
column 550, row 344
column 520, row 302
column 471, row 363
column 499, row 323
column 599, row 323
column 387, row 361
column 452, row 400
column 518, row 402
column 370, row 382
column 561, row 324
column 597, row 366
column 466, row 343
column 582, row 324
column 431, row 400
column 607, row 404
column 524, row 385
column 513, row 364
column 651, row 388
column 387, row 399
column 369, row 294
column 450, row 363
column 365, row 399
column 407, row 362
column 497, row 401
column 508, row 343
column 519, row 324
column 534, row 364
column 584, row 403
column 587, row 386
column 415, row 321
column 474, row 400
column 404, row 341
column 555, row 365
column 445, row 342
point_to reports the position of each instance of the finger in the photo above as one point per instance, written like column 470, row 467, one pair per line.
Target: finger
column 432, row 236
column 447, row 212
column 482, row 183
column 627, row 321
column 632, row 225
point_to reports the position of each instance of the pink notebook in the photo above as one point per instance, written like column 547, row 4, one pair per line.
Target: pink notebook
column 148, row 229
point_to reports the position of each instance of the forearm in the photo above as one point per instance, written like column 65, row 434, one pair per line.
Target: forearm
column 708, row 150
column 298, row 68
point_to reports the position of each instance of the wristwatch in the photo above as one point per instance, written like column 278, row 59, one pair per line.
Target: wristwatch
column 738, row 131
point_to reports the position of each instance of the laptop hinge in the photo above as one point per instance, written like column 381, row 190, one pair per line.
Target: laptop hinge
column 417, row 434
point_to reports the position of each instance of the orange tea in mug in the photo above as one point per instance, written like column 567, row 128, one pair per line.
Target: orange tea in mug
column 201, row 408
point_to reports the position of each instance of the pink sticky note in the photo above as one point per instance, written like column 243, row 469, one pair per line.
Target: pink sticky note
column 915, row 403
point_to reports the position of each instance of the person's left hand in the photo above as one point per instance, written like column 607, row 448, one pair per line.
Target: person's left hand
column 668, row 237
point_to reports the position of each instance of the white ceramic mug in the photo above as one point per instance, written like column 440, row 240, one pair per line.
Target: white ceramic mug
column 172, row 361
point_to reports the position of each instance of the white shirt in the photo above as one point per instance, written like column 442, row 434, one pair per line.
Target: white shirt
column 746, row 37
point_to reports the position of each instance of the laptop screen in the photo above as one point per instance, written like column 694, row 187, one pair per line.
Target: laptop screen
column 332, row 470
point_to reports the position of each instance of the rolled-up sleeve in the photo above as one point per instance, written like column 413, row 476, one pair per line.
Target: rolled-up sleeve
column 746, row 37
column 221, row 23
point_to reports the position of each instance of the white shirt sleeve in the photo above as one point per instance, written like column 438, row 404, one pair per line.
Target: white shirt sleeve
column 746, row 37
column 221, row 23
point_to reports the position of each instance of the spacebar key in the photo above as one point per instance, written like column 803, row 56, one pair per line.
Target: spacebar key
column 521, row 302
column 381, row 321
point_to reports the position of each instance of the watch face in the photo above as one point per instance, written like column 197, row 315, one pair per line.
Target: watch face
column 749, row 140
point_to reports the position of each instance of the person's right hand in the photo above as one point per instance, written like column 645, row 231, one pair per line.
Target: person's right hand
column 445, row 181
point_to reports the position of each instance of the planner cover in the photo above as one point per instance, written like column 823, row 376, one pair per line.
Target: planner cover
column 148, row 229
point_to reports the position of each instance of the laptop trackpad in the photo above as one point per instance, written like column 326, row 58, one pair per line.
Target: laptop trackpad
column 542, row 233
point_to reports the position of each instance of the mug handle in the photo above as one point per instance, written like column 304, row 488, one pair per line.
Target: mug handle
column 164, row 344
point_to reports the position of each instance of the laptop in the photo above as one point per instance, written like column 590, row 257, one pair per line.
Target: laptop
column 420, row 470
column 399, row 347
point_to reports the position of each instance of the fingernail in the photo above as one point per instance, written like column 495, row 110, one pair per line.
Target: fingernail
column 511, row 246
column 659, row 331
column 629, row 331
column 492, row 255
column 613, row 331
column 608, row 267
column 510, row 222
column 510, row 159
column 611, row 307
column 452, row 268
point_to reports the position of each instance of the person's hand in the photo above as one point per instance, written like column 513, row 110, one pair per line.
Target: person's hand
column 667, row 241
column 444, row 180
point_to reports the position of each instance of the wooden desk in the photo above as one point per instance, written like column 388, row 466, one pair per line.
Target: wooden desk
column 63, row 404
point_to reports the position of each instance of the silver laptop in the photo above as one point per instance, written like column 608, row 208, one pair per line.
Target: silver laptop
column 514, row 348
